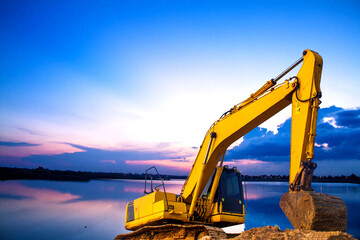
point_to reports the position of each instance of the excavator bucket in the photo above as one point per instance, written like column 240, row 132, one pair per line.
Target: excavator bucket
column 310, row 210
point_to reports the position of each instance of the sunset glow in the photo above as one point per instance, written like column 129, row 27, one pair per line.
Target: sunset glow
column 122, row 85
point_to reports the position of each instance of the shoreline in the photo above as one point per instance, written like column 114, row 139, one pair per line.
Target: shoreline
column 40, row 173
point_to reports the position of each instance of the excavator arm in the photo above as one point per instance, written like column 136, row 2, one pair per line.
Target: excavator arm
column 302, row 91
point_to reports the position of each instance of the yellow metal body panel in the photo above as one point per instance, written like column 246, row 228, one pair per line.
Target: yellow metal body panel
column 153, row 207
column 227, row 219
column 218, row 217
column 303, row 116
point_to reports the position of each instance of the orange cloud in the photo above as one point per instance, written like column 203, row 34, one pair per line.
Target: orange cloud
column 247, row 162
column 181, row 165
column 42, row 149
column 170, row 186
column 108, row 161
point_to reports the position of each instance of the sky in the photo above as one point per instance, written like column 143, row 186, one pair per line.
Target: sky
column 120, row 86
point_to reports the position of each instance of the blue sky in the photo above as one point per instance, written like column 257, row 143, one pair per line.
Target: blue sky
column 147, row 78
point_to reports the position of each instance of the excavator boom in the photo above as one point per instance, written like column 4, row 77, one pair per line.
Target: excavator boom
column 303, row 93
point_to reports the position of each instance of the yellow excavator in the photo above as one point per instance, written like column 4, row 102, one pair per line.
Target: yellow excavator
column 212, row 196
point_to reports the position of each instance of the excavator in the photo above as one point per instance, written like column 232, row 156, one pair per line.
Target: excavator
column 212, row 196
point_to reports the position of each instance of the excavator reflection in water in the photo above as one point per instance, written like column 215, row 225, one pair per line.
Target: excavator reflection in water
column 212, row 197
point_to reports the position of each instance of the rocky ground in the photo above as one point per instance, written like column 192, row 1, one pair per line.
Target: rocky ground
column 270, row 232
column 171, row 232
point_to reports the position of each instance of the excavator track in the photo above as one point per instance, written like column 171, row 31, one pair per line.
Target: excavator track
column 174, row 231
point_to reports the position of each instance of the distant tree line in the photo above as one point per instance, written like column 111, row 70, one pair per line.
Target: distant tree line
column 46, row 174
column 285, row 178
column 58, row 175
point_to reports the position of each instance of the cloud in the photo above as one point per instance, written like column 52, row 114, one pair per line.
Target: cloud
column 108, row 161
column 260, row 152
column 348, row 118
column 93, row 159
column 24, row 149
column 338, row 138
column 18, row 144
column 6, row 161
column 262, row 145
column 164, row 165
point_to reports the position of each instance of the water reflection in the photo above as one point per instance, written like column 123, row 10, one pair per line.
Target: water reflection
column 96, row 209
column 61, row 210
column 16, row 189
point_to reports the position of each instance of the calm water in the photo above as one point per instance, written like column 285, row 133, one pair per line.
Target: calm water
column 96, row 209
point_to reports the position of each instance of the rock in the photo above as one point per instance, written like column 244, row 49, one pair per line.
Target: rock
column 314, row 211
column 270, row 232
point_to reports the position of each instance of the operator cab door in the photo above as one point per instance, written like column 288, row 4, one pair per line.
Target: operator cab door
column 230, row 192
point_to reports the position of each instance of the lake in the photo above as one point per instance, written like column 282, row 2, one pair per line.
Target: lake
column 37, row 209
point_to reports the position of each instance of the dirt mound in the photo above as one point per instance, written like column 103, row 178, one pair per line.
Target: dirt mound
column 270, row 232
column 202, row 232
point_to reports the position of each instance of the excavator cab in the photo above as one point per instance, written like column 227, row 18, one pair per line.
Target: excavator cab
column 230, row 193
column 222, row 200
column 229, row 196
